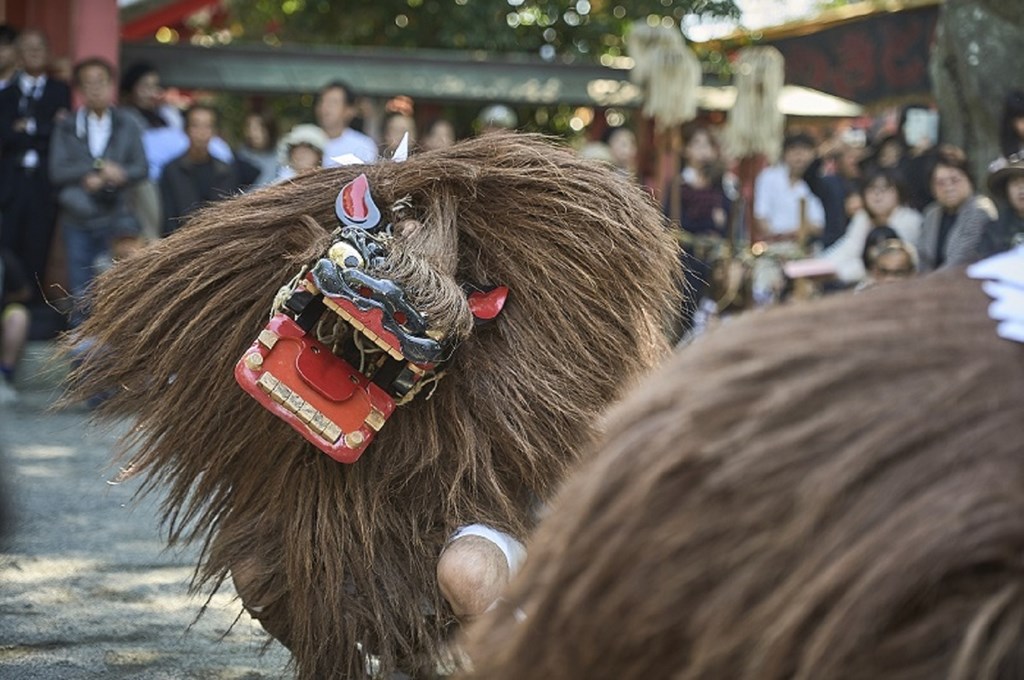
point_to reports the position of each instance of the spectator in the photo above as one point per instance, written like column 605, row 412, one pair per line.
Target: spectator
column 874, row 240
column 787, row 217
column 833, row 176
column 886, row 258
column 888, row 153
column 911, row 150
column 396, row 126
column 301, row 150
column 496, row 117
column 15, row 291
column 29, row 110
column 884, row 206
column 622, row 144
column 892, row 260
column 335, row 108
column 260, row 146
column 164, row 135
column 953, row 225
column 700, row 201
column 8, row 55
column 196, row 176
column 780, row 191
column 919, row 128
column 438, row 134
column 97, row 156
column 597, row 151
column 1006, row 184
column 1011, row 128
column 142, row 95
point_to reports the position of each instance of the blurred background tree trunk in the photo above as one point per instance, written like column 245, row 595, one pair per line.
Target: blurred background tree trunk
column 977, row 59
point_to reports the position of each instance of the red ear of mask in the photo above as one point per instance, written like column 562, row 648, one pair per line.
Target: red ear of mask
column 487, row 304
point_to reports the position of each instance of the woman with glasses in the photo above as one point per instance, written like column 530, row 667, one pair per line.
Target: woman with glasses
column 884, row 205
column 954, row 223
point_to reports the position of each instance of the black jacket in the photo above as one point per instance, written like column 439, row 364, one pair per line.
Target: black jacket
column 1003, row 234
column 181, row 193
column 55, row 98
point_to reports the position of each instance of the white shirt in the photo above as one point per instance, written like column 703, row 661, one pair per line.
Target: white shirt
column 350, row 141
column 31, row 88
column 777, row 201
column 98, row 132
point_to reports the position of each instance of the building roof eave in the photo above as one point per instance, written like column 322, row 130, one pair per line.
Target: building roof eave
column 432, row 75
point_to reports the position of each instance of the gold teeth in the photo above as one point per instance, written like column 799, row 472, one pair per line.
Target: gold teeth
column 306, row 412
column 267, row 338
column 375, row 420
column 359, row 326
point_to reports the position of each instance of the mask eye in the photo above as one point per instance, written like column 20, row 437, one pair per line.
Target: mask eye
column 344, row 255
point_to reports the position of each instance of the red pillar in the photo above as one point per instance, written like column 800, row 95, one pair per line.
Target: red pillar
column 75, row 28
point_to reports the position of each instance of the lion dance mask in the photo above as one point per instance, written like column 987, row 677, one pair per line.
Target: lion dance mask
column 424, row 344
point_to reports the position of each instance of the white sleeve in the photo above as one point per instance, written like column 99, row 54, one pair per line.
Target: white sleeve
column 514, row 551
column 369, row 153
column 847, row 253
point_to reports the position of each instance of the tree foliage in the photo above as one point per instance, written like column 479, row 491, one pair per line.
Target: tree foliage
column 567, row 29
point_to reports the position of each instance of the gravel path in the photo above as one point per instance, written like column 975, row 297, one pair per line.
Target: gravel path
column 87, row 587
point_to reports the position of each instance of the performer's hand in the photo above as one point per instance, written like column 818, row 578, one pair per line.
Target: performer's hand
column 20, row 125
column 471, row 574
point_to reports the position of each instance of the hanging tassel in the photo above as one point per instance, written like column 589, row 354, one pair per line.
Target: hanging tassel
column 668, row 72
column 755, row 124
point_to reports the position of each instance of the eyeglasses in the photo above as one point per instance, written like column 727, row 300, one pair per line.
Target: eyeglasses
column 895, row 271
column 950, row 181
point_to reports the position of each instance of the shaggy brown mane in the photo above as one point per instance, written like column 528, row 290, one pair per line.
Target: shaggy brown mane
column 349, row 552
column 834, row 490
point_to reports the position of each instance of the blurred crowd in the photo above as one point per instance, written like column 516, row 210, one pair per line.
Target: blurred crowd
column 855, row 209
column 81, row 187
column 125, row 168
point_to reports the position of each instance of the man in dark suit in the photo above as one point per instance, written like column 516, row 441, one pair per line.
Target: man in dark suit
column 29, row 108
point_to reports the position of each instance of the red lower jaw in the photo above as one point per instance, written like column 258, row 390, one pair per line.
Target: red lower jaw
column 326, row 400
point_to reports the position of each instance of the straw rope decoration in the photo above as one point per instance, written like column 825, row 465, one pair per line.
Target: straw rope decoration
column 668, row 72
column 755, row 123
